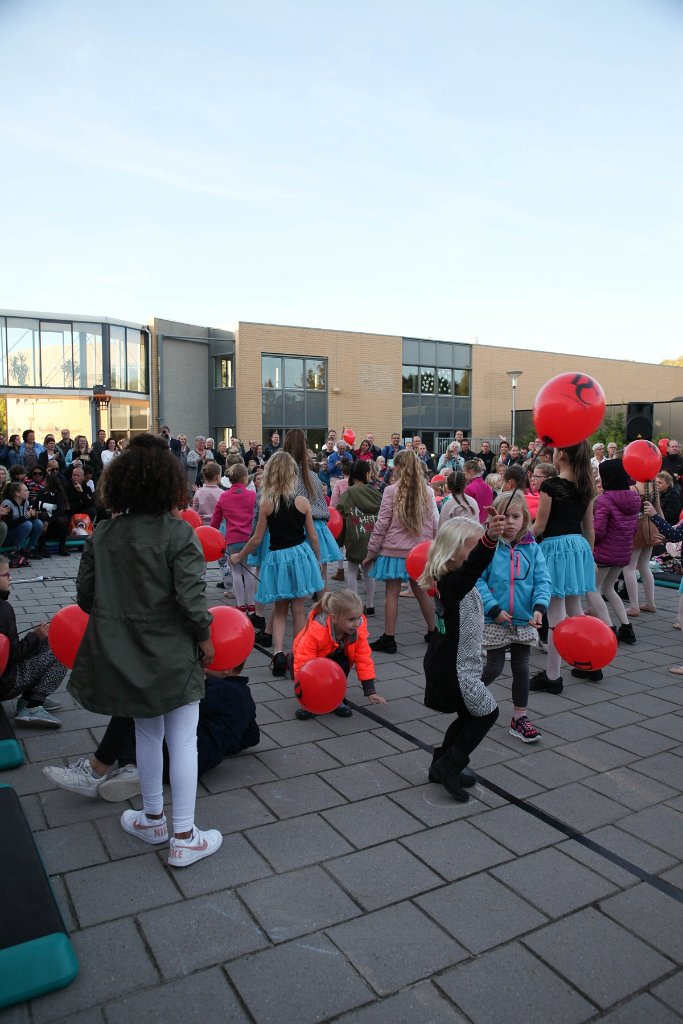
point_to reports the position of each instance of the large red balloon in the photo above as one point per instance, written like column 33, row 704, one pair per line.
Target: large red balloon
column 321, row 686
column 417, row 559
column 335, row 523
column 191, row 517
column 232, row 636
column 349, row 436
column 65, row 633
column 212, row 542
column 642, row 460
column 568, row 409
column 4, row 652
column 585, row 642
column 663, row 445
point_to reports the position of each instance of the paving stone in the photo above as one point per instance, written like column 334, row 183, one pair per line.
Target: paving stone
column 420, row 1003
column 456, row 850
column 641, row 1010
column 548, row 768
column 518, row 785
column 641, row 741
column 113, row 890
column 382, row 874
column 647, row 705
column 510, row 986
column 490, row 752
column 294, row 733
column 568, row 725
column 357, row 781
column 70, row 847
column 350, row 726
column 403, row 710
column 298, row 842
column 432, row 805
column 661, row 826
column 63, row 808
column 395, row 946
column 598, row 957
column 288, row 798
column 674, row 691
column 652, row 915
column 388, row 736
column 629, row 788
column 113, row 962
column 667, row 725
column 359, row 747
column 299, row 902
column 411, row 765
column 578, row 806
column 542, row 704
column 553, row 882
column 609, row 714
column 292, row 762
column 372, row 821
column 234, row 864
column 426, row 733
column 517, row 830
column 665, row 767
column 594, row 752
column 231, row 811
column 199, row 933
column 33, row 812
column 671, row 991
column 55, row 745
column 236, row 772
column 643, row 855
column 309, row 976
column 27, row 779
column 195, row 1000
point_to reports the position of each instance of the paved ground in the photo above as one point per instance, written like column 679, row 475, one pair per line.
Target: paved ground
column 348, row 888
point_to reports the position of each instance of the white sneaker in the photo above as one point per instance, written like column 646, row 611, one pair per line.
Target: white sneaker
column 120, row 785
column 184, row 852
column 50, row 704
column 37, row 718
column 78, row 777
column 150, row 830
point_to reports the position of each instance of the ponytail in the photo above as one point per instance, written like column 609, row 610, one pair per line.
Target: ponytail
column 579, row 458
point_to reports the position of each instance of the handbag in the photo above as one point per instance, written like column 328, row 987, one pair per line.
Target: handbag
column 647, row 534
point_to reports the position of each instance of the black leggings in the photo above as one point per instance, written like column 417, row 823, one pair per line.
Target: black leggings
column 468, row 730
column 118, row 743
column 519, row 663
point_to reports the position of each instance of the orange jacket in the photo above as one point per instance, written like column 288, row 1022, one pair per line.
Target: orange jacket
column 316, row 641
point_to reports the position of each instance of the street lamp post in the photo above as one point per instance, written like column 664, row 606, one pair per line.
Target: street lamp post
column 514, row 376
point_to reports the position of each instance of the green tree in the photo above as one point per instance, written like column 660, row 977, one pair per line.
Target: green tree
column 612, row 428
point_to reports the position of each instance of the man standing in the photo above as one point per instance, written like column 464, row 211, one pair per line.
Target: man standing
column 486, row 455
column 274, row 445
column 424, row 456
column 172, row 442
column 66, row 444
column 672, row 461
column 374, row 450
column 390, row 450
column 335, row 460
column 96, row 453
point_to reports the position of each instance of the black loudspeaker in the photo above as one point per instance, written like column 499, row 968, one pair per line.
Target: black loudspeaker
column 639, row 416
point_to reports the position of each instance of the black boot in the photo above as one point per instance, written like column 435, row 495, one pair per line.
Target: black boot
column 448, row 771
column 42, row 548
column 625, row 634
column 467, row 778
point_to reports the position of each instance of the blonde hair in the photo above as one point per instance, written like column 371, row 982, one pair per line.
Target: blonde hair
column 503, row 502
column 546, row 469
column 279, row 480
column 495, row 481
column 411, row 496
column 237, row 474
column 447, row 545
column 334, row 602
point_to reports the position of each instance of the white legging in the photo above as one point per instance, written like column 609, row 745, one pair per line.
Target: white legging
column 244, row 585
column 180, row 729
column 640, row 560
column 353, row 568
column 607, row 576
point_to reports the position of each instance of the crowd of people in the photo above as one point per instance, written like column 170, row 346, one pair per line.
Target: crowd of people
column 516, row 540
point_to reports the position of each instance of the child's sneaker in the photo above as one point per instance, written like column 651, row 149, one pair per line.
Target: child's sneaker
column 37, row 718
column 384, row 645
column 523, row 729
column 368, row 609
column 78, row 777
column 303, row 715
column 122, row 784
column 343, row 711
column 184, row 852
column 150, row 830
column 49, row 703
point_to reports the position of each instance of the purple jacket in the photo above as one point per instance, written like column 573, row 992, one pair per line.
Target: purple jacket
column 615, row 516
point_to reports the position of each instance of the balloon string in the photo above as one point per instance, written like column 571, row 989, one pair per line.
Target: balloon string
column 510, row 499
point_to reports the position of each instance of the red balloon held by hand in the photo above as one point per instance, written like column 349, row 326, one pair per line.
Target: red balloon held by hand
column 335, row 523
column 65, row 633
column 642, row 460
column 663, row 445
column 349, row 436
column 585, row 642
column 191, row 517
column 212, row 542
column 4, row 652
column 320, row 686
column 417, row 560
column 232, row 636
column 568, row 409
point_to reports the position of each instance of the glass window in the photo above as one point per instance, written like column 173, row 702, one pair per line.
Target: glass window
column 428, row 352
column 445, row 382
column 223, row 367
column 272, row 408
column 3, row 355
column 411, row 350
column 294, row 409
column 117, row 358
column 444, row 356
column 316, row 439
column 410, row 379
column 23, row 353
column 316, row 374
column 316, row 409
column 294, row 374
column 135, row 359
column 271, row 370
column 56, row 355
column 427, row 382
column 87, row 355
column 461, row 383
column 462, row 356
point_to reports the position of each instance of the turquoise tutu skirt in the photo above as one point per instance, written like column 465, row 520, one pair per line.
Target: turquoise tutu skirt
column 291, row 572
column 570, row 564
column 257, row 557
column 384, row 568
column 329, row 549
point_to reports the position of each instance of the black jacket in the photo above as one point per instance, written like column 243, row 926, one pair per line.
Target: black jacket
column 20, row 649
column 487, row 458
column 227, row 720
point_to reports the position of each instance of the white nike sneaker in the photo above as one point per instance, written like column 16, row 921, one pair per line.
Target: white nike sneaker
column 78, row 777
column 184, row 852
column 122, row 784
column 150, row 830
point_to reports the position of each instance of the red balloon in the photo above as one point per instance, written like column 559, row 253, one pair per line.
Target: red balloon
column 642, row 460
column 568, row 409
column 65, row 633
column 335, row 523
column 191, row 517
column 232, row 636
column 212, row 542
column 438, row 478
column 349, row 436
column 663, row 445
column 417, row 559
column 585, row 642
column 4, row 652
column 321, row 686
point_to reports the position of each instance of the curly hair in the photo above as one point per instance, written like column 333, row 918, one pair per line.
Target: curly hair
column 146, row 478
column 412, row 499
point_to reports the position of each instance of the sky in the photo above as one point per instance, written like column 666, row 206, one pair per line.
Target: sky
column 506, row 170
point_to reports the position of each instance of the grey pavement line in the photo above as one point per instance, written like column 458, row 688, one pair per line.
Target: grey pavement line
column 667, row 888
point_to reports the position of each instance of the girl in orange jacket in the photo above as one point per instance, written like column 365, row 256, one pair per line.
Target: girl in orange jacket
column 336, row 629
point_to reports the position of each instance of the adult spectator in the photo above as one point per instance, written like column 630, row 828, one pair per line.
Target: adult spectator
column 547, row 454
column 252, row 453
column 504, row 453
column 364, row 451
column 4, row 450
column 274, row 446
column 66, row 444
column 417, row 441
column 425, row 457
column 465, row 450
column 110, row 452
column 80, row 453
column 96, row 450
column 451, row 461
column 79, row 496
column 370, row 438
column 29, row 450
column 50, row 451
column 335, row 460
column 486, row 456
column 598, row 456
column 390, row 451
column 669, row 498
column 612, row 449
column 459, row 437
column 195, row 462
column 477, row 489
column 673, row 461
column 173, row 442
column 515, row 456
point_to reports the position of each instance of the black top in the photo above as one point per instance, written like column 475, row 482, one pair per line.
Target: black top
column 673, row 464
column 487, row 458
column 567, row 510
column 286, row 527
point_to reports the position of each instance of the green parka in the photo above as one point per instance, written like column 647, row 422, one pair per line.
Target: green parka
column 359, row 506
column 142, row 581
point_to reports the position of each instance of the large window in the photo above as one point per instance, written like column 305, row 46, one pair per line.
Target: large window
column 294, row 393
column 135, row 359
column 223, row 372
column 23, row 353
column 436, row 386
column 87, row 348
column 117, row 358
column 461, row 383
column 411, row 377
column 56, row 355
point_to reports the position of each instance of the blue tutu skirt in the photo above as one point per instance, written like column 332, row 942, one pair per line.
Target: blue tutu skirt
column 570, row 564
column 384, row 568
column 291, row 572
column 257, row 557
column 329, row 549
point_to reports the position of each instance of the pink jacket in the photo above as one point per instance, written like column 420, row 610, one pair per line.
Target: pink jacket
column 390, row 537
column 204, row 501
column 338, row 489
column 482, row 494
column 236, row 506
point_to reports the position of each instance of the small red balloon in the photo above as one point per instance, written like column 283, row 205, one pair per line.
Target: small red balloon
column 439, row 478
column 349, row 436
column 585, row 642
column 642, row 460
column 212, row 542
column 66, row 631
column 335, row 523
column 191, row 517
column 417, row 559
column 320, row 686
column 568, row 409
column 232, row 636
column 663, row 445
column 4, row 652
